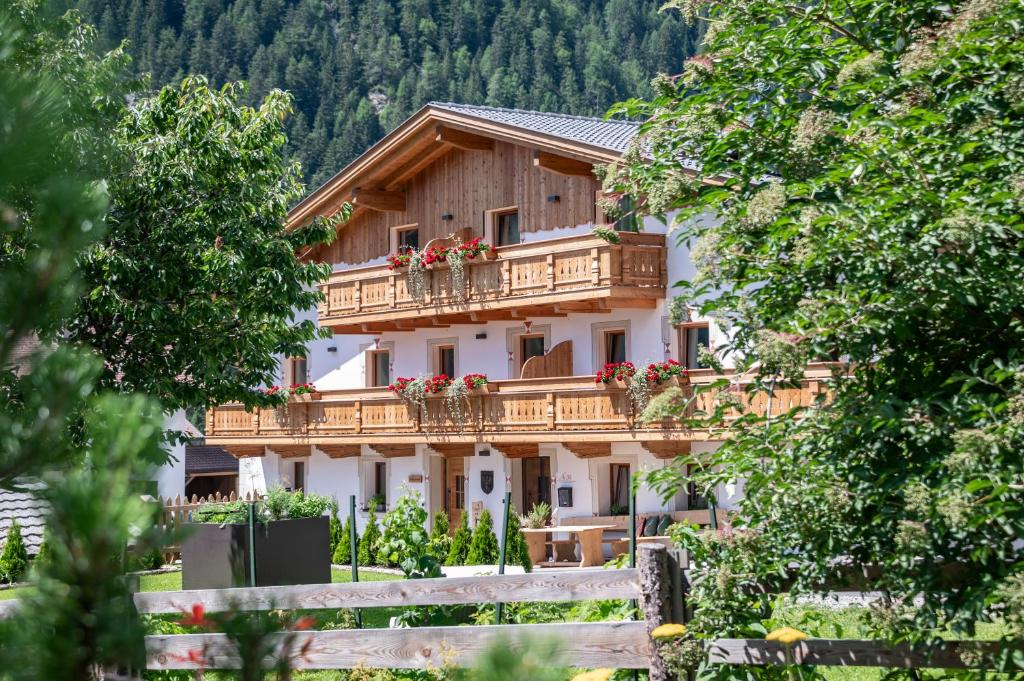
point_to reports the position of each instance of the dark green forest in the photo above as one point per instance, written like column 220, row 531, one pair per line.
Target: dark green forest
column 357, row 68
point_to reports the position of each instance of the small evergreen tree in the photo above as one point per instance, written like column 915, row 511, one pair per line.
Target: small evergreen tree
column 335, row 531
column 43, row 554
column 483, row 550
column 369, row 543
column 14, row 559
column 440, row 539
column 342, row 553
column 459, row 550
column 516, row 551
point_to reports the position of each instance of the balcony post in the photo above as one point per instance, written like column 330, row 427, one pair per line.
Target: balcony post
column 392, row 291
column 211, row 420
column 357, row 416
column 256, row 420
column 506, row 277
column 612, row 267
column 595, row 266
column 551, row 271
column 551, row 411
column 357, row 295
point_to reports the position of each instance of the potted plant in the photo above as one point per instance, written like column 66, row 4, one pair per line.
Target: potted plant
column 220, row 549
column 435, row 257
column 669, row 373
column 478, row 384
column 478, row 249
column 401, row 259
column 536, row 542
column 615, row 375
column 304, row 392
column 378, row 502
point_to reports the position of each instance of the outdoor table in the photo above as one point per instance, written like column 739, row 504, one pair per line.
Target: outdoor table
column 590, row 538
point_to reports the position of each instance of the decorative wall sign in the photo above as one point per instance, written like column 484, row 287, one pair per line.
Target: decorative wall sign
column 565, row 497
column 415, row 477
column 487, row 481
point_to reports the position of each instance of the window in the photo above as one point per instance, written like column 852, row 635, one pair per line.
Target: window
column 444, row 360
column 691, row 338
column 299, row 475
column 619, row 476
column 297, row 371
column 379, row 365
column 694, row 500
column 629, row 222
column 460, row 492
column 380, row 484
column 408, row 238
column 507, row 227
column 615, row 346
column 530, row 346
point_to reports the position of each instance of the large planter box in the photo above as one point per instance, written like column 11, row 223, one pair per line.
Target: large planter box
column 287, row 552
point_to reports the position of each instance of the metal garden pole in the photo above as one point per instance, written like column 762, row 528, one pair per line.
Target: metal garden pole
column 712, row 513
column 353, row 550
column 499, row 608
column 632, row 543
column 252, row 544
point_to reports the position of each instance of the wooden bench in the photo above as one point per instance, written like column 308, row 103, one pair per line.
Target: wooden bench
column 620, row 544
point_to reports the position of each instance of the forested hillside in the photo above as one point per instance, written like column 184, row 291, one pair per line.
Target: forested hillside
column 357, row 68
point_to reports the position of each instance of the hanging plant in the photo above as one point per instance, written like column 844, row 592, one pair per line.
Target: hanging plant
column 639, row 390
column 457, row 263
column 412, row 390
column 456, row 399
column 416, row 279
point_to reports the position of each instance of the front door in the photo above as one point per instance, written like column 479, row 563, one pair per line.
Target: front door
column 536, row 482
column 455, row 490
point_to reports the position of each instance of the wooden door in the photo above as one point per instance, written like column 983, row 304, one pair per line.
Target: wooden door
column 455, row 490
column 536, row 482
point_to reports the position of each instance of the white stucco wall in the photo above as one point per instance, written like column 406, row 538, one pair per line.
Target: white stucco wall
column 170, row 478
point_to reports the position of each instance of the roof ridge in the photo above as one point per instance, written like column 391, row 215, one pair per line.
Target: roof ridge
column 596, row 119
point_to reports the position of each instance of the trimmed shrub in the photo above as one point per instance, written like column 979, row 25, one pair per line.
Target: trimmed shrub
column 342, row 554
column 369, row 543
column 483, row 550
column 459, row 550
column 516, row 551
column 335, row 528
column 14, row 559
column 440, row 539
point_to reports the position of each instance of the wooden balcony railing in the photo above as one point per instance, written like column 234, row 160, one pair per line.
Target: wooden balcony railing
column 543, row 278
column 571, row 409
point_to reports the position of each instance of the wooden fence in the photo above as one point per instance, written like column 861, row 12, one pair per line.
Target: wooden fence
column 659, row 584
column 177, row 512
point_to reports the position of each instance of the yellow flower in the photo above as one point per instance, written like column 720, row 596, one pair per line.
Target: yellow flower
column 787, row 636
column 595, row 675
column 667, row 631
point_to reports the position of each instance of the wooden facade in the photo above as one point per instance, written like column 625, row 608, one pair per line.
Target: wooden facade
column 466, row 184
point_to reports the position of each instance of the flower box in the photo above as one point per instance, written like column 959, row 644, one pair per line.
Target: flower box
column 613, row 384
column 484, row 389
column 306, row 397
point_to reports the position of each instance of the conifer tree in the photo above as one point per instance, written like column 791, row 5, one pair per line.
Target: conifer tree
column 483, row 550
column 459, row 550
column 342, row 554
column 14, row 559
column 369, row 543
column 516, row 551
column 440, row 537
column 335, row 526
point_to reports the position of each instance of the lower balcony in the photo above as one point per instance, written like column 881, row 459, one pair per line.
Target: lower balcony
column 553, row 277
column 514, row 418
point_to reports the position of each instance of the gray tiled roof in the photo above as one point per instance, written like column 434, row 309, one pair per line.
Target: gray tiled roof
column 30, row 514
column 613, row 134
column 208, row 459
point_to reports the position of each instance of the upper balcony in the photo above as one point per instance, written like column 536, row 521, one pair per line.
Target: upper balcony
column 514, row 417
column 543, row 278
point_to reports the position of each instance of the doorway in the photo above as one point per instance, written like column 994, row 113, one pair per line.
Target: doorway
column 455, row 490
column 536, row 482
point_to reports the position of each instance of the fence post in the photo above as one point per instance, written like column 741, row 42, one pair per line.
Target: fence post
column 353, row 550
column 656, row 599
column 499, row 608
column 252, row 545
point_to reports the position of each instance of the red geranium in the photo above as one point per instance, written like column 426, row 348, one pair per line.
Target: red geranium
column 196, row 618
column 401, row 258
column 400, row 384
column 302, row 389
column 473, row 381
column 659, row 372
column 615, row 370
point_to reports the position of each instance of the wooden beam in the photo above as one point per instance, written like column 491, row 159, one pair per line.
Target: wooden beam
column 376, row 199
column 449, row 449
column 535, row 586
column 518, row 450
column 340, row 451
column 290, row 451
column 589, row 450
column 622, row 645
column 239, row 451
column 462, row 140
column 667, row 449
column 394, row 451
column 562, row 165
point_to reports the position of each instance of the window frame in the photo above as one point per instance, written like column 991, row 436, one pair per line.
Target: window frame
column 684, row 343
column 491, row 226
column 599, row 340
column 371, row 364
column 613, row 468
column 515, row 349
column 290, row 372
column 395, row 235
column 434, row 347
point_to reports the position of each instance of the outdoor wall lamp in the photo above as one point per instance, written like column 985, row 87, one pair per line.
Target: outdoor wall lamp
column 554, row 198
column 447, row 217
